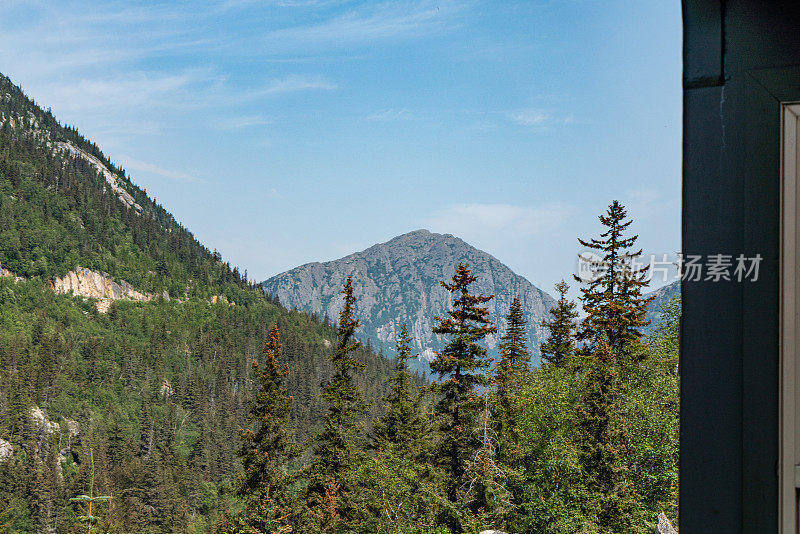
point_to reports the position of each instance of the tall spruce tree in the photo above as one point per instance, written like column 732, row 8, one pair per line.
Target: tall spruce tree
column 335, row 452
column 514, row 356
column 615, row 311
column 514, row 363
column 503, row 442
column 560, row 344
column 398, row 489
column 462, row 363
column 267, row 449
column 613, row 299
column 402, row 426
column 602, row 442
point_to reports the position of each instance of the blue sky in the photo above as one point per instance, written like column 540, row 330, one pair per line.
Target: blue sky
column 283, row 132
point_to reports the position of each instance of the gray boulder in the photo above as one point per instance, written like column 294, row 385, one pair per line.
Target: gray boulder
column 6, row 450
column 664, row 526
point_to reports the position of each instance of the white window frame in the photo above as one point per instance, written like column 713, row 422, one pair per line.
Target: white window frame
column 789, row 473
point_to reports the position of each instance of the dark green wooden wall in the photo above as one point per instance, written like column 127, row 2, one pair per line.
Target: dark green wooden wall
column 741, row 60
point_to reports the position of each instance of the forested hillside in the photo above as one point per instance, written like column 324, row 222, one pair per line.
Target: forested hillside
column 156, row 389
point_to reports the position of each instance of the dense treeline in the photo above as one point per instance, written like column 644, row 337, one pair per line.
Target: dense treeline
column 158, row 391
column 585, row 443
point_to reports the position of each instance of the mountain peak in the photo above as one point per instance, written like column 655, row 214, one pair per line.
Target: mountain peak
column 421, row 237
column 397, row 282
column 421, row 232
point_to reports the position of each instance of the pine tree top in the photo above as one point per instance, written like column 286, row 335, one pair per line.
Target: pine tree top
column 402, row 426
column 272, row 352
column 335, row 450
column 613, row 299
column 467, row 318
column 614, row 220
column 468, row 324
column 560, row 344
column 403, row 349
column 348, row 324
column 267, row 444
column 513, row 347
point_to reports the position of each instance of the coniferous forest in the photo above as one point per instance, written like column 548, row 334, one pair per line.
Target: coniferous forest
column 211, row 408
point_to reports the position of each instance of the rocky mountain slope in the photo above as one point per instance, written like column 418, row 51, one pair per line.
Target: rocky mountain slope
column 663, row 295
column 398, row 282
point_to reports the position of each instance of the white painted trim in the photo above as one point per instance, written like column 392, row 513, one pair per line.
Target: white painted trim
column 790, row 321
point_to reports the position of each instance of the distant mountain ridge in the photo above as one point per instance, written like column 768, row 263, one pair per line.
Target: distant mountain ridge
column 662, row 296
column 398, row 282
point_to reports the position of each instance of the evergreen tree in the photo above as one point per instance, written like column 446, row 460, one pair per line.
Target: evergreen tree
column 335, row 453
column 463, row 362
column 16, row 422
column 601, row 441
column 399, row 491
column 613, row 299
column 402, row 427
column 503, row 439
column 615, row 311
column 87, row 517
column 267, row 450
column 560, row 344
column 514, row 356
column 509, row 371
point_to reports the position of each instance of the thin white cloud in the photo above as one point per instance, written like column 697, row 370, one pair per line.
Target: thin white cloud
column 237, row 4
column 644, row 197
column 529, row 117
column 132, row 164
column 487, row 220
column 246, row 121
column 388, row 115
column 75, row 62
column 120, row 92
column 62, row 38
column 372, row 22
column 646, row 203
column 291, row 84
column 536, row 117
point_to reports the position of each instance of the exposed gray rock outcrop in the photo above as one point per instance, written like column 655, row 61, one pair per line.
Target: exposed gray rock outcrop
column 664, row 526
column 42, row 423
column 6, row 273
column 398, row 282
column 6, row 450
column 113, row 181
column 72, row 427
column 92, row 284
column 661, row 296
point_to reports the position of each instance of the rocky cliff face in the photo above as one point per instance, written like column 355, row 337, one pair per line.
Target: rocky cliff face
column 398, row 282
column 5, row 272
column 29, row 123
column 87, row 283
column 111, row 179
